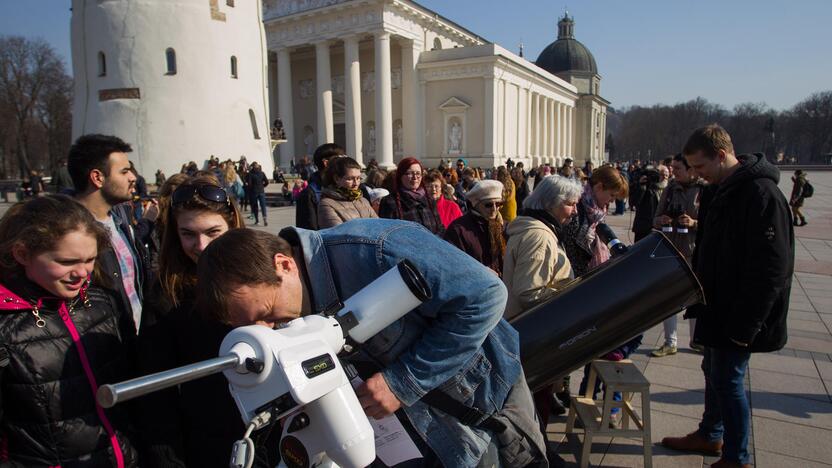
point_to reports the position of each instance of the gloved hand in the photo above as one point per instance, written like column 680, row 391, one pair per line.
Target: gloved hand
column 619, row 249
column 613, row 356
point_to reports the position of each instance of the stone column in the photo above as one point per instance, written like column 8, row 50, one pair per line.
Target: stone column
column 570, row 132
column 553, row 129
column 384, row 101
column 544, row 153
column 284, row 107
column 535, row 125
column 491, row 108
column 352, row 99
column 411, row 102
column 323, row 78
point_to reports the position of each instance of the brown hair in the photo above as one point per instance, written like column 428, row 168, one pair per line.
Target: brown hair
column 177, row 272
column 432, row 176
column 508, row 184
column 337, row 168
column 39, row 224
column 709, row 139
column 165, row 191
column 610, row 179
column 238, row 257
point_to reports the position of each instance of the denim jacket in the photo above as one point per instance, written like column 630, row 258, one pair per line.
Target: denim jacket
column 457, row 340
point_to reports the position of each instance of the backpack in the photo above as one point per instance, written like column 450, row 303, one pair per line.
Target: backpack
column 808, row 190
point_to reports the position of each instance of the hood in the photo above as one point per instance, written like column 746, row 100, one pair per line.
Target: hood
column 525, row 223
column 752, row 166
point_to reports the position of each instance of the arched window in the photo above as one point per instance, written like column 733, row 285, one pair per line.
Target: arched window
column 437, row 43
column 102, row 64
column 253, row 124
column 170, row 59
column 233, row 67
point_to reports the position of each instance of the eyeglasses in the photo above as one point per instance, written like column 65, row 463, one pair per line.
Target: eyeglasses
column 210, row 193
column 496, row 204
column 352, row 179
column 413, row 174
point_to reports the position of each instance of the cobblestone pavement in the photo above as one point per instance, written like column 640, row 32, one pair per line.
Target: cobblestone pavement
column 789, row 390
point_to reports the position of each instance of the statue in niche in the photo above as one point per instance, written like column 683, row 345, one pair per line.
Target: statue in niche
column 308, row 139
column 396, row 79
column 455, row 137
column 306, row 89
column 368, row 82
column 371, row 139
column 398, row 138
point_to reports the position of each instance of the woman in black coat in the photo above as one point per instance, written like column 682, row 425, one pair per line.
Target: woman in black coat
column 409, row 200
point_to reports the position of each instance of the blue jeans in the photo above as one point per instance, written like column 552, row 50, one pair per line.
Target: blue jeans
column 258, row 198
column 727, row 415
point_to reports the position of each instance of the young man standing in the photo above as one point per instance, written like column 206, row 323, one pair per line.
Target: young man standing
column 744, row 257
column 100, row 171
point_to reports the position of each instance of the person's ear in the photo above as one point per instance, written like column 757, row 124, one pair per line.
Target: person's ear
column 20, row 254
column 97, row 178
column 283, row 264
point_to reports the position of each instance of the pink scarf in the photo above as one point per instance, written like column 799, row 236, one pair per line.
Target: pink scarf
column 595, row 215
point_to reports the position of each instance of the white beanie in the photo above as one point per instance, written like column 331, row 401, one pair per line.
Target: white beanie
column 485, row 190
column 377, row 193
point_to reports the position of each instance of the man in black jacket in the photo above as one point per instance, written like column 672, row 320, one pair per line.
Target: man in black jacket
column 306, row 213
column 257, row 182
column 100, row 171
column 744, row 258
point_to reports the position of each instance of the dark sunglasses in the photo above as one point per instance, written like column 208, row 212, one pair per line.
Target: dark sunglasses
column 493, row 204
column 210, row 193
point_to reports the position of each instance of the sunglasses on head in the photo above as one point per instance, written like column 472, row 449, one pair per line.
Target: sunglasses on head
column 210, row 193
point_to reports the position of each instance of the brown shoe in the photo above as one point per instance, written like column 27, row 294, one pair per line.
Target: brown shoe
column 693, row 442
column 723, row 463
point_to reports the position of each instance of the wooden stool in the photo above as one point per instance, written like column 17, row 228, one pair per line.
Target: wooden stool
column 621, row 376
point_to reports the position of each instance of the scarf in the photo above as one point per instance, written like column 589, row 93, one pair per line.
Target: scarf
column 417, row 194
column 349, row 194
column 594, row 216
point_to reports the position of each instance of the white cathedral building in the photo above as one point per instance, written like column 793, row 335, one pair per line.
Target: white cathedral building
column 183, row 80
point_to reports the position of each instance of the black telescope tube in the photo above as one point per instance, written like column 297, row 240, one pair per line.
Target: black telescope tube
column 604, row 309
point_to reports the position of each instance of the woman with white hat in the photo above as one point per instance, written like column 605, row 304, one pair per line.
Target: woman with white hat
column 479, row 233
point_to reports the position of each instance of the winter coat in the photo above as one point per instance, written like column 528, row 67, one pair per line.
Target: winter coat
column 509, row 208
column 646, row 207
column 678, row 199
column 796, row 199
column 744, row 258
column 421, row 210
column 256, row 181
column 577, row 241
column 535, row 264
column 306, row 212
column 470, row 234
column 196, row 423
column 448, row 210
column 48, row 413
column 335, row 209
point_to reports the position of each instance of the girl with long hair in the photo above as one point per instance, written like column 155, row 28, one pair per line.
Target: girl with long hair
column 61, row 336
column 408, row 200
column 197, row 423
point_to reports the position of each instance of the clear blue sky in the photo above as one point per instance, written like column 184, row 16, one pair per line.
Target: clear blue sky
column 648, row 51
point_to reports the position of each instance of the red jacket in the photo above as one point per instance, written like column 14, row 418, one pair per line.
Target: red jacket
column 448, row 211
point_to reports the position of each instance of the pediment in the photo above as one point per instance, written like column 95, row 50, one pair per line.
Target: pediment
column 454, row 104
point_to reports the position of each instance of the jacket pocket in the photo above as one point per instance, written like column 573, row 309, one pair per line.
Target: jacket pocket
column 463, row 386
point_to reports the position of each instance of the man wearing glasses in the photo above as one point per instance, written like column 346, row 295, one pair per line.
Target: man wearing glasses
column 479, row 233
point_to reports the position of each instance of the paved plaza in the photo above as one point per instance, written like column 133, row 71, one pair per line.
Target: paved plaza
column 790, row 391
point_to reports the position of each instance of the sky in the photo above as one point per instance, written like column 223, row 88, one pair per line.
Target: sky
column 648, row 51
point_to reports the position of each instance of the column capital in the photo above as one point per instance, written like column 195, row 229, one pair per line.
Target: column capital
column 382, row 34
column 323, row 43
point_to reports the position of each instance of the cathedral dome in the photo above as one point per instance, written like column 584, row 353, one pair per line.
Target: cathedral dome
column 566, row 53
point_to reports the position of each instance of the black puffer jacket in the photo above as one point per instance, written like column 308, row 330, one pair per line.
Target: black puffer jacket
column 48, row 415
column 744, row 258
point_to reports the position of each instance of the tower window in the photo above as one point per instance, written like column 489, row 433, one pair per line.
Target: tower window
column 170, row 59
column 230, row 3
column 233, row 66
column 102, row 64
column 253, row 124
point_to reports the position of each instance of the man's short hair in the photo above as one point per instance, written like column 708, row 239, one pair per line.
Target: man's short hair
column 709, row 139
column 92, row 152
column 326, row 151
column 238, row 257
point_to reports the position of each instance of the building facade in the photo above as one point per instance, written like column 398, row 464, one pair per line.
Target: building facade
column 179, row 80
column 390, row 78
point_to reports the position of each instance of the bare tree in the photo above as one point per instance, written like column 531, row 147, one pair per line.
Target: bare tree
column 26, row 69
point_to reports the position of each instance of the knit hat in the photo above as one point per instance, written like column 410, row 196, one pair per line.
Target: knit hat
column 485, row 190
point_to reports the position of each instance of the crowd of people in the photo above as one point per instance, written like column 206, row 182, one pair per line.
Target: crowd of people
column 106, row 283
